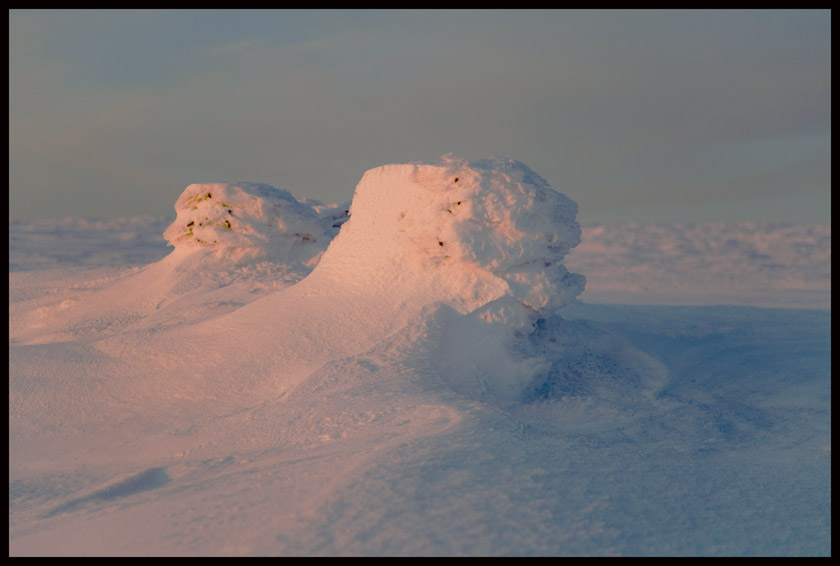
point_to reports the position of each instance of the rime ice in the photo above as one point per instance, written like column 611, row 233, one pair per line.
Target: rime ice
column 293, row 381
column 253, row 221
column 479, row 231
column 486, row 238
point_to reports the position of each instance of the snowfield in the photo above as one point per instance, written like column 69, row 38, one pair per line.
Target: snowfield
column 447, row 365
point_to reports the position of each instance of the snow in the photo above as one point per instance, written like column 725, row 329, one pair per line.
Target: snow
column 748, row 263
column 247, row 221
column 419, row 372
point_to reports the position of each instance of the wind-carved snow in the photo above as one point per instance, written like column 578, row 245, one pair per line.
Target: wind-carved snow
column 251, row 221
column 486, row 239
column 256, row 270
column 233, row 243
column 411, row 373
column 768, row 264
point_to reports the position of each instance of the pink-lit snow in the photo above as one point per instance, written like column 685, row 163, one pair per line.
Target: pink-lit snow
column 419, row 372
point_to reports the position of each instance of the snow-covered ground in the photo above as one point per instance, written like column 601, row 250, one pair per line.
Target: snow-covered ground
column 420, row 372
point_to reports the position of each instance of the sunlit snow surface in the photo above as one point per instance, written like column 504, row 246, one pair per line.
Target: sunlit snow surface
column 285, row 396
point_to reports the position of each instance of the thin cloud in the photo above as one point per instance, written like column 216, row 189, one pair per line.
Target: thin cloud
column 612, row 106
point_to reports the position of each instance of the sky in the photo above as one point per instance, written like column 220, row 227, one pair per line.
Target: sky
column 642, row 116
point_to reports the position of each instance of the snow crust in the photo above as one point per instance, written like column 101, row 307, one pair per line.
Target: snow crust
column 774, row 265
column 417, row 378
column 494, row 228
column 485, row 238
column 252, row 221
column 767, row 264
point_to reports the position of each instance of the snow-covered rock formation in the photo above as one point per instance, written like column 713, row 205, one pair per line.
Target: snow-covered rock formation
column 485, row 231
column 484, row 240
column 472, row 252
column 245, row 238
column 252, row 221
column 235, row 398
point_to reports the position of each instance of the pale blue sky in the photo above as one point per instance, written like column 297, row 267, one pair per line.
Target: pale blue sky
column 635, row 115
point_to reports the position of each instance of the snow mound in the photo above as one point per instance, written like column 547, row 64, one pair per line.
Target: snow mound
column 483, row 242
column 489, row 231
column 471, row 251
column 250, row 221
column 234, row 242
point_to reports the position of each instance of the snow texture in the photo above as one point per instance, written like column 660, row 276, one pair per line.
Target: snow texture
column 416, row 374
column 248, row 221
column 759, row 264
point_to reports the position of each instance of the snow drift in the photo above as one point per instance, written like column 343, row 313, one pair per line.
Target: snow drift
column 414, row 378
column 244, row 239
column 482, row 242
column 766, row 264
column 485, row 239
column 487, row 231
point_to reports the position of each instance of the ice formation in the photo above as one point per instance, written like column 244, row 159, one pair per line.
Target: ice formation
column 472, row 252
column 484, row 240
column 252, row 221
column 302, row 382
column 490, row 230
